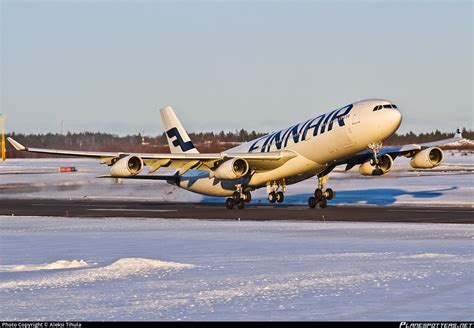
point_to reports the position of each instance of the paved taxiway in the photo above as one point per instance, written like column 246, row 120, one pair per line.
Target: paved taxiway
column 174, row 210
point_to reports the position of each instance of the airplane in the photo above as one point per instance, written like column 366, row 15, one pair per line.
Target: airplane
column 350, row 135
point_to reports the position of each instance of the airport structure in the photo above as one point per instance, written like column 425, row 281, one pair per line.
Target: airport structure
column 3, row 146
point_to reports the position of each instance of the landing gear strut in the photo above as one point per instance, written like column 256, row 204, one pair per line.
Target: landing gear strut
column 321, row 197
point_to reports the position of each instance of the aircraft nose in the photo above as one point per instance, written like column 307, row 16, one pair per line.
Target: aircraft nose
column 394, row 118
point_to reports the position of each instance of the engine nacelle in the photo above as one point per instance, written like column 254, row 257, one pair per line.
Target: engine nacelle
column 127, row 167
column 232, row 169
column 427, row 159
column 385, row 163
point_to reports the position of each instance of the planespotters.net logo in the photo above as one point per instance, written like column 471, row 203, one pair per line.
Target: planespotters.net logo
column 436, row 325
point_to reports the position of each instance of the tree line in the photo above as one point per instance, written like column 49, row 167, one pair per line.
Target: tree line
column 204, row 141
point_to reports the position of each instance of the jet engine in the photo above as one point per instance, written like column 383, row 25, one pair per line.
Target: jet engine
column 427, row 159
column 127, row 166
column 385, row 163
column 232, row 169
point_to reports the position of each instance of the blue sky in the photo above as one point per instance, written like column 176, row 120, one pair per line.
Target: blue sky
column 109, row 66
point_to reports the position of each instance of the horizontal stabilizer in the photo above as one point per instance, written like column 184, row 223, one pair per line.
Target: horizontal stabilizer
column 16, row 144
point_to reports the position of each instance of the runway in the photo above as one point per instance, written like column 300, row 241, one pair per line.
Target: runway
column 215, row 211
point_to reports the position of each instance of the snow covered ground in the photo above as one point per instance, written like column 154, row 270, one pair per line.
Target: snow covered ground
column 452, row 183
column 151, row 269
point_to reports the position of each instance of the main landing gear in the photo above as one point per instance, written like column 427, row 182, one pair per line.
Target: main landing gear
column 321, row 197
column 275, row 195
column 239, row 198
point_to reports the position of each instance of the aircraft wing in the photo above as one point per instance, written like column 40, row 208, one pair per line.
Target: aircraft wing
column 395, row 151
column 183, row 162
column 180, row 161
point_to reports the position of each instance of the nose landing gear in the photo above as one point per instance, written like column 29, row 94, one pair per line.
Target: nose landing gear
column 375, row 161
column 321, row 197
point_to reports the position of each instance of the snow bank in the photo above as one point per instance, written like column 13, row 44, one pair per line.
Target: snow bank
column 461, row 143
column 138, row 264
column 430, row 256
column 61, row 264
column 120, row 269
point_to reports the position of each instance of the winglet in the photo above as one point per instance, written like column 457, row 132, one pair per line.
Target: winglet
column 17, row 145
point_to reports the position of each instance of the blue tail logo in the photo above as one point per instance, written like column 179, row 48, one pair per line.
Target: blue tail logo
column 185, row 146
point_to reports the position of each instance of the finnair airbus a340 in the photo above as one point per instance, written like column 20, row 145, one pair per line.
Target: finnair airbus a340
column 351, row 135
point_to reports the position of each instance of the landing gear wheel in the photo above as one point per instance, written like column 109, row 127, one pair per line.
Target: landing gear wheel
column 241, row 204
column 318, row 194
column 377, row 171
column 330, row 194
column 229, row 203
column 323, row 203
column 272, row 197
column 312, row 202
column 248, row 196
column 236, row 196
column 280, row 197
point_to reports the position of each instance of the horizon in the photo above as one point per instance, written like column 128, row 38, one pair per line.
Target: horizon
column 463, row 129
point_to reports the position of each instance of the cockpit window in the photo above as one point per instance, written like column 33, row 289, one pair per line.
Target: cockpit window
column 379, row 107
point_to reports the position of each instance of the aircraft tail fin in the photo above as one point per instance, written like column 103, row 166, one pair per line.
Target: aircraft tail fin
column 177, row 136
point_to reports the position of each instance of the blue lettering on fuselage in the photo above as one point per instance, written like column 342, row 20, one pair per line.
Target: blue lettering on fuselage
column 340, row 115
column 280, row 139
column 323, row 127
column 292, row 131
column 266, row 142
column 313, row 126
column 318, row 124
column 274, row 137
column 254, row 145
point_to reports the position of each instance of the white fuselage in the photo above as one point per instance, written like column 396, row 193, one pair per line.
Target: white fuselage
column 317, row 143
